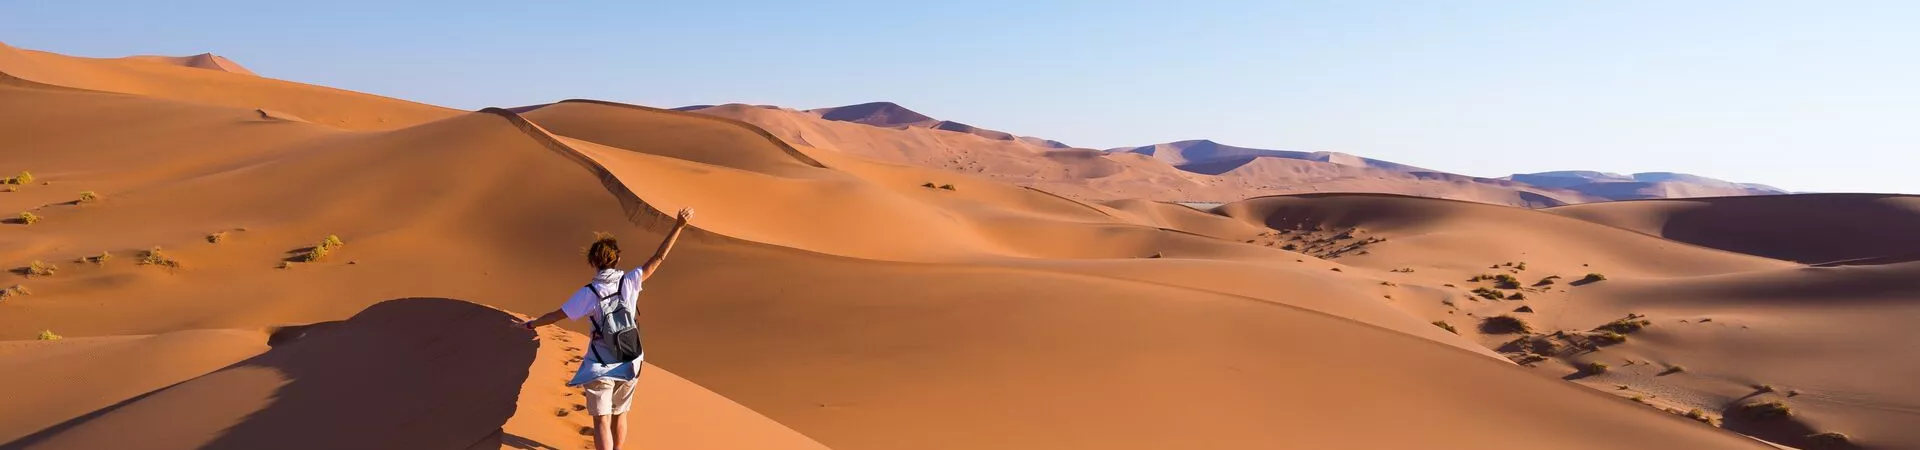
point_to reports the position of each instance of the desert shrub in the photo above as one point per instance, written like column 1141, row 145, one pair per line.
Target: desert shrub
column 1697, row 414
column 216, row 237
column 39, row 269
column 157, row 257
column 1489, row 294
column 1506, row 281
column 1829, row 440
column 1445, row 326
column 929, row 186
column 322, row 249
column 284, row 265
column 1764, row 389
column 1627, row 325
column 1521, row 266
column 1544, row 346
column 1609, row 338
column 1676, row 368
column 1403, row 270
column 316, row 253
column 24, row 177
column 88, row 197
column 102, row 258
column 1505, row 324
column 1517, row 296
column 27, row 218
column 1290, row 247
column 47, row 335
column 1593, row 278
column 947, row 187
column 1641, row 399
column 1593, row 368
column 1766, row 410
column 15, row 291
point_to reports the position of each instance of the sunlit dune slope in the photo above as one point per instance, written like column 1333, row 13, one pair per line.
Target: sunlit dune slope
column 328, row 106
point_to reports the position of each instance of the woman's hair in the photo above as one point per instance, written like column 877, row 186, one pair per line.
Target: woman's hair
column 605, row 253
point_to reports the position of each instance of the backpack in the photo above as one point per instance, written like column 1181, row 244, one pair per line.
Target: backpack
column 615, row 329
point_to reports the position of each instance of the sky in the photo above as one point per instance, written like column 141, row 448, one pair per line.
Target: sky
column 1808, row 96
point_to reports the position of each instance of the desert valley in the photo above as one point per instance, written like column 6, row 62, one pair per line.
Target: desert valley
column 203, row 257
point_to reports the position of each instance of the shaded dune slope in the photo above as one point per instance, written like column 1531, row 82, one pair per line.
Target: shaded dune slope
column 444, row 373
column 1808, row 228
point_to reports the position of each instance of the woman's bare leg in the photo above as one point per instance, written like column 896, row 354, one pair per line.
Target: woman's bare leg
column 603, row 433
column 619, row 431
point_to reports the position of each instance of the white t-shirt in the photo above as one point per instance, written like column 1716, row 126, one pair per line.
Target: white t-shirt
column 585, row 304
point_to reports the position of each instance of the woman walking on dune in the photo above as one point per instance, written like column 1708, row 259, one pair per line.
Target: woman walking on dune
column 612, row 364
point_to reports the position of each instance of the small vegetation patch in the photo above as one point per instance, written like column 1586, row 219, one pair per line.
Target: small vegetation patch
column 157, row 257
column 1489, row 294
column 1593, row 278
column 88, row 197
column 216, row 237
column 1676, row 368
column 1766, row 410
column 1505, row 324
column 101, row 258
column 14, row 291
column 1445, row 326
column 47, row 335
column 1627, row 325
column 24, row 177
column 322, row 249
column 1701, row 416
column 1402, row 270
column 26, row 218
column 929, row 186
column 1608, row 338
column 1506, row 281
column 1593, row 368
column 38, row 269
column 948, row 187
column 1517, row 296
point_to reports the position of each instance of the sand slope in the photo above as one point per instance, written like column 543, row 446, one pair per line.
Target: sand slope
column 825, row 299
column 190, row 81
column 889, row 133
column 1810, row 228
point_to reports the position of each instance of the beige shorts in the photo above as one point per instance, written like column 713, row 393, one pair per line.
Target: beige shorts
column 609, row 396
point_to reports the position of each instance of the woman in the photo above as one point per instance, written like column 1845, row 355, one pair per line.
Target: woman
column 606, row 375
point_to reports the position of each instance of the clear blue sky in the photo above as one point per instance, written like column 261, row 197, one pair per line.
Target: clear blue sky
column 1805, row 95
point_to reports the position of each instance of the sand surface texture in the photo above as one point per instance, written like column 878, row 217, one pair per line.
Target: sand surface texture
column 830, row 296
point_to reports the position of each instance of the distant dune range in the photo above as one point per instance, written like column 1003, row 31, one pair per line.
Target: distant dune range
column 1189, row 171
column 862, row 286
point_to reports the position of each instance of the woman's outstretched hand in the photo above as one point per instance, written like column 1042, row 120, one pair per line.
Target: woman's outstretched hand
column 686, row 215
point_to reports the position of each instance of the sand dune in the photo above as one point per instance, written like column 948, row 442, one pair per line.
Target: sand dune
column 886, row 132
column 1731, row 322
column 207, row 61
column 1813, row 228
column 226, row 87
column 828, row 297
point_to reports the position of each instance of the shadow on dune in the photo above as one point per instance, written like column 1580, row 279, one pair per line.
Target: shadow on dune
column 414, row 373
